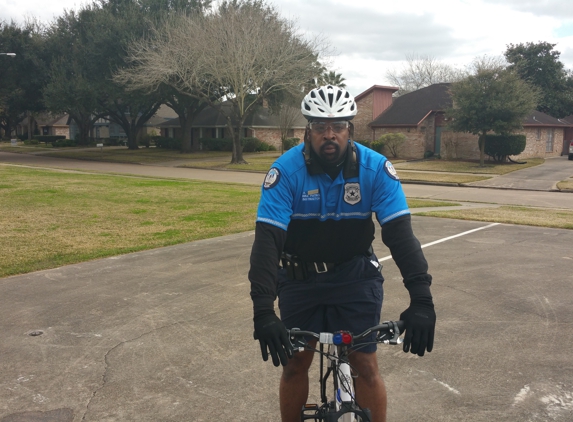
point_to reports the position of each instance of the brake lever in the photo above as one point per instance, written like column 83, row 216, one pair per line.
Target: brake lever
column 396, row 339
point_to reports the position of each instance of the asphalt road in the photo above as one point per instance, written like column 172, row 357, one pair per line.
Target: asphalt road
column 165, row 334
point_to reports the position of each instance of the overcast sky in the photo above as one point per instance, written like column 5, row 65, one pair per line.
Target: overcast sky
column 372, row 36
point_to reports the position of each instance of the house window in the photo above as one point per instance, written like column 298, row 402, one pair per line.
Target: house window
column 538, row 133
column 214, row 132
column 549, row 143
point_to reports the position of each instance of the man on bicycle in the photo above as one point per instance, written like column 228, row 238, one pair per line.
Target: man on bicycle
column 315, row 221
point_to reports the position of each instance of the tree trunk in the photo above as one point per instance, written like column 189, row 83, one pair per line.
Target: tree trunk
column 131, row 136
column 29, row 126
column 237, row 157
column 482, row 150
column 237, row 147
column 185, row 124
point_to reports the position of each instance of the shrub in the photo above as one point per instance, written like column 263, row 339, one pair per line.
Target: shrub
column 217, row 144
column 289, row 143
column 22, row 137
column 365, row 143
column 146, row 140
column 377, row 146
column 501, row 146
column 49, row 138
column 31, row 142
column 225, row 144
column 392, row 142
column 428, row 154
column 63, row 143
column 167, row 143
column 253, row 144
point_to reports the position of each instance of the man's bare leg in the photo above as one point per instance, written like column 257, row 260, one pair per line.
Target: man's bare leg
column 294, row 385
column 370, row 388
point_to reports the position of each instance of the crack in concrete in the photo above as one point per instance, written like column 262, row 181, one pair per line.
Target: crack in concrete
column 107, row 364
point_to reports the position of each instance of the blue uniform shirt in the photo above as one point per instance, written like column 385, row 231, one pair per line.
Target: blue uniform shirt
column 330, row 220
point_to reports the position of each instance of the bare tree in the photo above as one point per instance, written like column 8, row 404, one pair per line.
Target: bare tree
column 241, row 52
column 421, row 71
column 288, row 115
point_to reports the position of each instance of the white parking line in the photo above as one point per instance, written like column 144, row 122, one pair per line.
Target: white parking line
column 446, row 239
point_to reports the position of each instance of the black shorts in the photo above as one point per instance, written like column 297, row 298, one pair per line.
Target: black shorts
column 348, row 298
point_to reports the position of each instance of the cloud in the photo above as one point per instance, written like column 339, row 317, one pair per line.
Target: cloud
column 371, row 34
column 554, row 8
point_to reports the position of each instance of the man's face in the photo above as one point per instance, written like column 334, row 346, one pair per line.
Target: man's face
column 329, row 138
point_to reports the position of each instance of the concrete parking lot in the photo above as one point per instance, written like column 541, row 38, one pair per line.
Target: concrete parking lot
column 166, row 334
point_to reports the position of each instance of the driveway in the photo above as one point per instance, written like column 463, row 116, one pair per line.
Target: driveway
column 542, row 177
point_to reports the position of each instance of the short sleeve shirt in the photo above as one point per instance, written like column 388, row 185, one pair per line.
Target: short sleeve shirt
column 325, row 219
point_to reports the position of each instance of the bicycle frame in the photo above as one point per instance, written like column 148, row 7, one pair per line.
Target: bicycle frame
column 343, row 406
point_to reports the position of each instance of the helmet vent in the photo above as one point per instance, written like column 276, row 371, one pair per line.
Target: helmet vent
column 322, row 95
column 338, row 95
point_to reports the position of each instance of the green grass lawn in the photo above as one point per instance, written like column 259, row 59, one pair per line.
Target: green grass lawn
column 54, row 218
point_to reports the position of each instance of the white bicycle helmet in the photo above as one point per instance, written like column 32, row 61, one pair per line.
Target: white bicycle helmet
column 328, row 102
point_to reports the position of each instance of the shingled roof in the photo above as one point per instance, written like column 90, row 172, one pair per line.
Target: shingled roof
column 410, row 109
column 537, row 118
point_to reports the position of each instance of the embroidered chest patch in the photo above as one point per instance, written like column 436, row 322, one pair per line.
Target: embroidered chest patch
column 352, row 193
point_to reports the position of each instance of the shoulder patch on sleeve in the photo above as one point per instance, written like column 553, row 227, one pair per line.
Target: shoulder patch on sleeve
column 272, row 178
column 390, row 170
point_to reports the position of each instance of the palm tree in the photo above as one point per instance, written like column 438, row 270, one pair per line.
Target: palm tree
column 333, row 78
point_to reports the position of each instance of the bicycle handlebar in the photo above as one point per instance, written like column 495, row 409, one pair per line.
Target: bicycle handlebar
column 393, row 328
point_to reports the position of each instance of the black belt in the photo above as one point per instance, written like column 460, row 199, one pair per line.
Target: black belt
column 299, row 270
column 319, row 267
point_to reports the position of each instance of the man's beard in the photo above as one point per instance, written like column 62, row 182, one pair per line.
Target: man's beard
column 330, row 158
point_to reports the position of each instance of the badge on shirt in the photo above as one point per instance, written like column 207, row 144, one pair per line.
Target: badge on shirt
column 272, row 178
column 352, row 193
column 390, row 170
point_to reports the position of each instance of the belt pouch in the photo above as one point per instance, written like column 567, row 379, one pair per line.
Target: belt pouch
column 295, row 270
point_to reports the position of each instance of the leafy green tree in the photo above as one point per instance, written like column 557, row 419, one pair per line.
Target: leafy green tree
column 71, row 87
column 22, row 76
column 539, row 65
column 493, row 98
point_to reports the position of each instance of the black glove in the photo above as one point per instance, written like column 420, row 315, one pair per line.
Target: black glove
column 420, row 324
column 271, row 333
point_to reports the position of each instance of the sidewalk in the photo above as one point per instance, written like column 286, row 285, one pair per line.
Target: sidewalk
column 438, row 192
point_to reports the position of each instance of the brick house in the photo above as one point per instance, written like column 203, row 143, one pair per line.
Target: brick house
column 420, row 116
column 371, row 103
column 568, row 134
column 46, row 124
column 210, row 123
